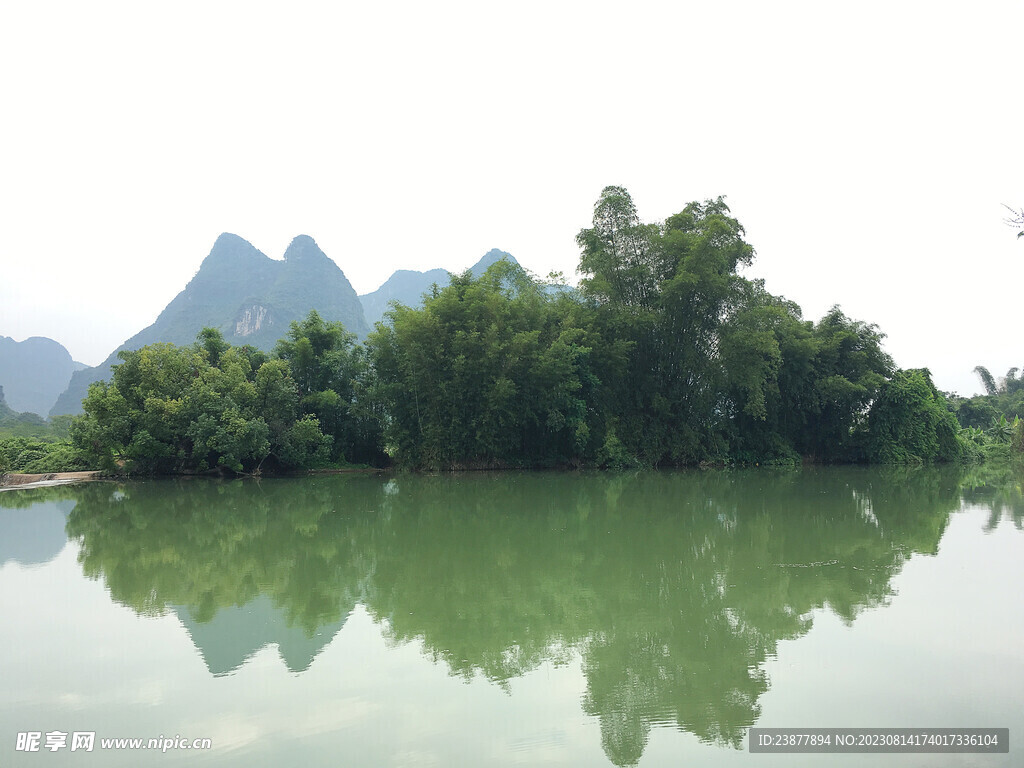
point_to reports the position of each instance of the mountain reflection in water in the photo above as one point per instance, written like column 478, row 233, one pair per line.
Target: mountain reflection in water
column 673, row 589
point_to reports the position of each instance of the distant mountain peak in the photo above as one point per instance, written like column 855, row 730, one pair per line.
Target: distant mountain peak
column 493, row 256
column 303, row 247
column 496, row 254
column 231, row 250
column 248, row 296
column 34, row 371
column 407, row 286
column 230, row 240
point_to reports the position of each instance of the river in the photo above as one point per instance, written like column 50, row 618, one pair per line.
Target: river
column 566, row 619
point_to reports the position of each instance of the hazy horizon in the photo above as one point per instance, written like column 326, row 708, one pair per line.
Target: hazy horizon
column 867, row 151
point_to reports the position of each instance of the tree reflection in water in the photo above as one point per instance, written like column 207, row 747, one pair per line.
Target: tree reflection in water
column 673, row 588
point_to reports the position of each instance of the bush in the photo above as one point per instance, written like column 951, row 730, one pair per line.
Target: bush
column 911, row 423
column 33, row 456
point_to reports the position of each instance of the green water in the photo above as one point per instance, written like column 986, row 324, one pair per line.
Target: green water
column 527, row 619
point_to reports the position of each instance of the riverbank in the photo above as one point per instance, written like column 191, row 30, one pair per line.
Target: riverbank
column 16, row 481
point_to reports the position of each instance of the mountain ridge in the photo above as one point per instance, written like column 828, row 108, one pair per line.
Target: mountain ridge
column 34, row 372
column 407, row 286
column 249, row 297
column 252, row 299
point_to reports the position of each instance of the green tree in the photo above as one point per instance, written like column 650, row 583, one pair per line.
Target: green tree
column 304, row 445
column 334, row 382
column 910, row 422
column 664, row 290
column 490, row 372
column 987, row 380
column 768, row 352
column 849, row 369
column 620, row 256
column 1003, row 398
column 976, row 413
column 191, row 409
column 1002, row 430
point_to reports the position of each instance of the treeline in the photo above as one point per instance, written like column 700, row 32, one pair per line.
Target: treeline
column 30, row 443
column 993, row 420
column 1003, row 397
column 211, row 406
column 665, row 356
column 576, row 571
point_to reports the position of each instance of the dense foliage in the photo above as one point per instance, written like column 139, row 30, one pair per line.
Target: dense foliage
column 491, row 372
column 30, row 444
column 910, row 422
column 332, row 377
column 214, row 406
column 991, row 424
column 672, row 612
column 665, row 356
column 36, row 455
column 1003, row 397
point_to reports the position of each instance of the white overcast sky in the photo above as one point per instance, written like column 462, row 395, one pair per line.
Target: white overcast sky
column 867, row 148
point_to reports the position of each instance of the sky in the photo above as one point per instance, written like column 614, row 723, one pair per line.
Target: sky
column 868, row 149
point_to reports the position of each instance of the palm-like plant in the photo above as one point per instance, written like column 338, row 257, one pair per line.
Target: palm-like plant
column 974, row 435
column 1017, row 436
column 1015, row 220
column 1008, row 383
column 1002, row 429
column 987, row 380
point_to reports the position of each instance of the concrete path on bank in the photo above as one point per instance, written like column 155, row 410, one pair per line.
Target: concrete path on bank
column 13, row 482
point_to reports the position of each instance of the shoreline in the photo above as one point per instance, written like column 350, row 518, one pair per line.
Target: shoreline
column 15, row 480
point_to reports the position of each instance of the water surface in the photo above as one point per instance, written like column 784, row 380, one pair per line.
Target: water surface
column 477, row 619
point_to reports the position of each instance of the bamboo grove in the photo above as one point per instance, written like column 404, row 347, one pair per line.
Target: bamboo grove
column 664, row 356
